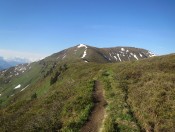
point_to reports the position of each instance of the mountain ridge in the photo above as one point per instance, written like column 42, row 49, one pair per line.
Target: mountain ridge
column 80, row 53
column 94, row 54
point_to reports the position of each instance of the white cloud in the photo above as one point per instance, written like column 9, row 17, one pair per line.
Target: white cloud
column 8, row 54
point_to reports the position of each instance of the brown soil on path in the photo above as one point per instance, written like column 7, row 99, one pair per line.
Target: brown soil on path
column 96, row 117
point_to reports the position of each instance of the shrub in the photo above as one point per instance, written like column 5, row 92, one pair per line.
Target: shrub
column 54, row 79
column 34, row 96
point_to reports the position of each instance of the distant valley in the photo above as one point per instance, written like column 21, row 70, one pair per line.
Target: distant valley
column 7, row 63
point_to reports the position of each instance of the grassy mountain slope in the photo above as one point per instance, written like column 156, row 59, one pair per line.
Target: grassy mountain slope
column 16, row 79
column 140, row 96
column 142, row 92
column 45, row 106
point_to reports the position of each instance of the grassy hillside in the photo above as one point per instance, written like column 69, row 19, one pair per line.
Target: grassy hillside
column 140, row 96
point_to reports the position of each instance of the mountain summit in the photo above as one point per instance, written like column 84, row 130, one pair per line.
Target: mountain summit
column 102, row 55
column 79, row 53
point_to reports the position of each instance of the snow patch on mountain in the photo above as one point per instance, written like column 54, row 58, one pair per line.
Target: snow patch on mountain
column 18, row 86
column 122, row 49
column 135, row 56
column 85, row 51
column 64, row 56
column 132, row 54
column 24, row 88
column 151, row 54
column 105, row 57
column 110, row 54
column 140, row 55
column 17, row 74
column 115, row 58
column 119, row 57
column 82, row 45
column 84, row 54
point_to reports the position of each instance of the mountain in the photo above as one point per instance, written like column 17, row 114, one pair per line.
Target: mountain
column 3, row 64
column 78, row 53
column 7, row 63
column 84, row 88
column 93, row 54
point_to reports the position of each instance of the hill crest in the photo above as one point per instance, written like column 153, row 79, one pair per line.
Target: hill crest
column 102, row 55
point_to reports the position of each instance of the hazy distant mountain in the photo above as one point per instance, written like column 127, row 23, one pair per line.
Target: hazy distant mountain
column 7, row 63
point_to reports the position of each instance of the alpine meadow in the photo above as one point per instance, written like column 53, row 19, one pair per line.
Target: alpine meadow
column 87, row 65
column 131, row 89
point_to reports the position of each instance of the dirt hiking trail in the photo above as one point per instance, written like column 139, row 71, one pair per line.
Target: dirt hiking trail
column 97, row 115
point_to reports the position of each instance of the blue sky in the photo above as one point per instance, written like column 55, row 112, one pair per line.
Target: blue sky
column 42, row 27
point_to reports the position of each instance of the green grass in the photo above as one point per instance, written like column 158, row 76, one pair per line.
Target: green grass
column 64, row 105
column 118, row 111
column 28, row 78
column 140, row 96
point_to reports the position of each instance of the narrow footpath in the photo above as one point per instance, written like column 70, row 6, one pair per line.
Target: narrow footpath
column 97, row 115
